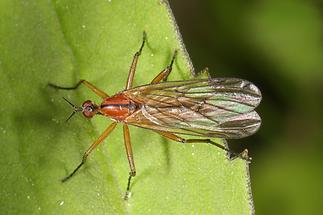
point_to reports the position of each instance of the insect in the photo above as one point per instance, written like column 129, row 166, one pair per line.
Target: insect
column 219, row 107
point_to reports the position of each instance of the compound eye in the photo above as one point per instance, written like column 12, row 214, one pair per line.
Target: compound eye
column 88, row 109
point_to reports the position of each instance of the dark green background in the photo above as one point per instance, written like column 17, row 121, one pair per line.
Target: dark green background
column 278, row 45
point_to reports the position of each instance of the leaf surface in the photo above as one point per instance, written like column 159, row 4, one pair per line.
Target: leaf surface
column 61, row 42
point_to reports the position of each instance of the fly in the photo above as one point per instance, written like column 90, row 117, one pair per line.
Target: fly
column 219, row 107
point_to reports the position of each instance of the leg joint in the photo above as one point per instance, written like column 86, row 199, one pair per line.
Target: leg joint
column 137, row 54
column 84, row 157
column 132, row 173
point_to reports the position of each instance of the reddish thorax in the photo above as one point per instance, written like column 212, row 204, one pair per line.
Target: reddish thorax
column 118, row 107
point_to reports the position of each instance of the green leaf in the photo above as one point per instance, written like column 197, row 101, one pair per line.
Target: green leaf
column 61, row 42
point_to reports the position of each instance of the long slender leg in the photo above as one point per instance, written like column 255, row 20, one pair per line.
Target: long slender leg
column 163, row 75
column 86, row 83
column 90, row 149
column 127, row 143
column 133, row 66
column 243, row 155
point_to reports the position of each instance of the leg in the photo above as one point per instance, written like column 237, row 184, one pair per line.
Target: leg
column 89, row 150
column 86, row 83
column 133, row 66
column 164, row 74
column 127, row 143
column 243, row 155
column 205, row 72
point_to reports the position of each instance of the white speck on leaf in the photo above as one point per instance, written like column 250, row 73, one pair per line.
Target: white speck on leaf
column 61, row 203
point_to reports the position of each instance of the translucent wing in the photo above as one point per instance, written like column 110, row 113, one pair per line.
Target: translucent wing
column 221, row 107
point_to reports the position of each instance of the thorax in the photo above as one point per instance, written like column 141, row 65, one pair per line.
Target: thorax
column 118, row 107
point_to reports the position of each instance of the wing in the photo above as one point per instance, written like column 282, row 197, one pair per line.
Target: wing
column 221, row 107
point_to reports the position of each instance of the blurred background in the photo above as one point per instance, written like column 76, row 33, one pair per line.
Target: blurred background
column 278, row 45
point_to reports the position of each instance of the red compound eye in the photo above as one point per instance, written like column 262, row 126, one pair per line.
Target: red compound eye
column 89, row 109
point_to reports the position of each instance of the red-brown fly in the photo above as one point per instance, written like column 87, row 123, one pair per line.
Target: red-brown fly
column 219, row 107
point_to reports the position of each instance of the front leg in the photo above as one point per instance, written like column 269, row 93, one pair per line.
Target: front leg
column 90, row 149
column 93, row 88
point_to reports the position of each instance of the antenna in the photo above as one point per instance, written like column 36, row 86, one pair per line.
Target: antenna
column 76, row 109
